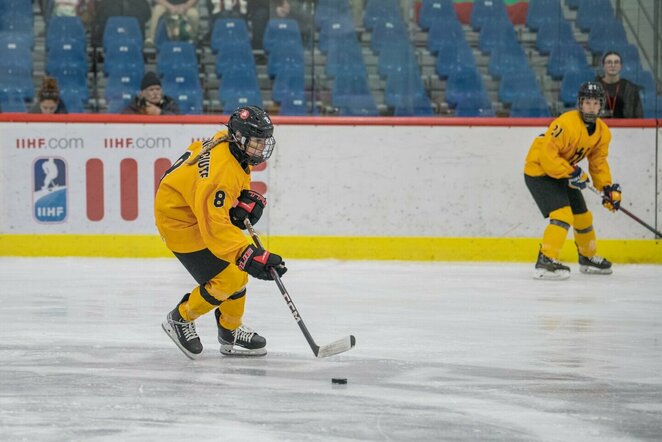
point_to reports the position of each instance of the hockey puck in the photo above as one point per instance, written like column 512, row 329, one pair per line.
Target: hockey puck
column 341, row 381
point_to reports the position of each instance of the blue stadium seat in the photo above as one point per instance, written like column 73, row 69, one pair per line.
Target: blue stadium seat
column 348, row 85
column 16, row 65
column 551, row 34
column 644, row 79
column 485, row 11
column 289, row 83
column 507, row 59
column 293, row 106
column 593, row 13
column 386, row 32
column 282, row 57
column 496, row 33
column 534, row 106
column 455, row 58
column 71, row 80
column 518, row 85
column 359, row 106
column 331, row 10
column 184, row 87
column 238, row 85
column 122, row 30
column 120, row 88
column 542, row 11
column 16, row 21
column 566, row 57
column 463, row 84
column 400, row 54
column 66, row 53
column 443, row 33
column 379, row 11
column 629, row 58
column 123, row 57
column 338, row 30
column 433, row 11
column 74, row 100
column 570, row 85
column 477, row 105
column 244, row 98
column 237, row 56
column 12, row 100
column 64, row 30
column 414, row 106
column 228, row 32
column 607, row 35
column 176, row 56
column 344, row 57
column 281, row 31
column 402, row 84
column 573, row 4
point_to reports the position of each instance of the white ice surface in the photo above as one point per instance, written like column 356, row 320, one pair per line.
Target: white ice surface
column 444, row 351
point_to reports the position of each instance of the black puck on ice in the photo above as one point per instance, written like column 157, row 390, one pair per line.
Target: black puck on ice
column 339, row 381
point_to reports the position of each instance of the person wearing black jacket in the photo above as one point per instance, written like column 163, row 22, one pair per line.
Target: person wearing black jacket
column 622, row 96
column 151, row 100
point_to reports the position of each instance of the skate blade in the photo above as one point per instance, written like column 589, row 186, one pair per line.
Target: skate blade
column 588, row 270
column 172, row 335
column 231, row 350
column 559, row 275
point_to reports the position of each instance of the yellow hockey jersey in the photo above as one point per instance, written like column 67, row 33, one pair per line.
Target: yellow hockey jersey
column 192, row 202
column 565, row 144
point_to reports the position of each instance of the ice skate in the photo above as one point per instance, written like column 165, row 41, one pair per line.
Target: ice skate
column 183, row 334
column 596, row 265
column 551, row 269
column 240, row 342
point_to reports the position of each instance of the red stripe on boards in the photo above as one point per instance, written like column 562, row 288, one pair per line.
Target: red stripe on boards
column 94, row 192
column 129, row 189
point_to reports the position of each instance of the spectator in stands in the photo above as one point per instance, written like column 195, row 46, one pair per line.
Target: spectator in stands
column 177, row 9
column 622, row 95
column 296, row 10
column 256, row 12
column 48, row 98
column 111, row 8
column 258, row 16
column 151, row 100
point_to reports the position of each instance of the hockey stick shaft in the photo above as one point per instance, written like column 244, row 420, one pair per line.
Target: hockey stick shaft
column 336, row 347
column 657, row 233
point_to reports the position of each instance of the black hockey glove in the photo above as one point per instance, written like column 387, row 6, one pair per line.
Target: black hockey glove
column 257, row 262
column 612, row 197
column 578, row 179
column 250, row 205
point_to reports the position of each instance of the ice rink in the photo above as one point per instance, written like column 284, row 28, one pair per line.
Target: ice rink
column 445, row 351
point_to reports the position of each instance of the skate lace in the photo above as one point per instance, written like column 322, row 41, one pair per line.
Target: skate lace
column 188, row 329
column 243, row 334
column 595, row 259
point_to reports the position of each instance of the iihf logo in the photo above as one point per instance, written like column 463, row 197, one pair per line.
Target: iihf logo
column 50, row 190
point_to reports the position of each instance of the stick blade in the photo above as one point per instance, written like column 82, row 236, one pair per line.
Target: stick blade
column 339, row 346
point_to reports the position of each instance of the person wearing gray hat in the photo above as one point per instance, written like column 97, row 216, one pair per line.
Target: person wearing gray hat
column 151, row 100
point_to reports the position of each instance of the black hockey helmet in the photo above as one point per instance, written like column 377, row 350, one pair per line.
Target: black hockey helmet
column 251, row 134
column 590, row 89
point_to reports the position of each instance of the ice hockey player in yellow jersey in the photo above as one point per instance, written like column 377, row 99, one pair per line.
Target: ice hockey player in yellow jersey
column 200, row 223
column 555, row 181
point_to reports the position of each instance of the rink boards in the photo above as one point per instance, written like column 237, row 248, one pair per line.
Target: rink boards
column 425, row 189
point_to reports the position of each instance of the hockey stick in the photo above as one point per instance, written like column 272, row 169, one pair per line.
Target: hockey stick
column 339, row 346
column 625, row 211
